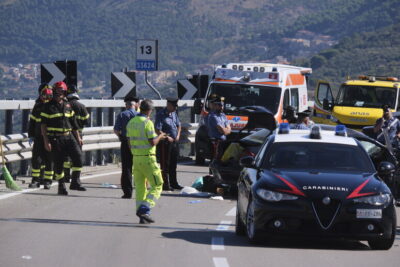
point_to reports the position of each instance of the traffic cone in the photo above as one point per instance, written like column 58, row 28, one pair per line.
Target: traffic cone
column 10, row 183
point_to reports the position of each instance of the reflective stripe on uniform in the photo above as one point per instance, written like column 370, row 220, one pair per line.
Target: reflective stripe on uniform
column 67, row 164
column 57, row 115
column 35, row 172
column 59, row 129
column 138, row 138
column 35, row 118
column 48, row 174
column 59, row 176
column 83, row 117
column 76, row 169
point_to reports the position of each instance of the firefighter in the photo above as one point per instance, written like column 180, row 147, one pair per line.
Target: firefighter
column 143, row 140
column 58, row 125
column 131, row 104
column 41, row 161
column 167, row 121
column 82, row 118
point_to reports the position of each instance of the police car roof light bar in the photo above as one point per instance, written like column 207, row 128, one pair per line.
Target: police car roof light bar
column 284, row 128
column 340, row 130
column 315, row 132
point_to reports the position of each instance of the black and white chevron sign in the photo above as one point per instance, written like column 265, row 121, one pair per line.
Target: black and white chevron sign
column 65, row 70
column 123, row 84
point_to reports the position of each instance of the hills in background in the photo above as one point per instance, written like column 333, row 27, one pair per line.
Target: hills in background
column 335, row 37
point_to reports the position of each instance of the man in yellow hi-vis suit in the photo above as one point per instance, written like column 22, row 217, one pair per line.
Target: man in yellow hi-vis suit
column 143, row 141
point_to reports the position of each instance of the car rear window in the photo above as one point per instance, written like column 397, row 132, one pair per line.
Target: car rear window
column 317, row 156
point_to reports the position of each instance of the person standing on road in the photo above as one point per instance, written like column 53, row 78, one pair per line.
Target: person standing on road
column 58, row 125
column 167, row 121
column 143, row 140
column 131, row 105
column 218, row 125
column 82, row 118
column 387, row 123
column 42, row 169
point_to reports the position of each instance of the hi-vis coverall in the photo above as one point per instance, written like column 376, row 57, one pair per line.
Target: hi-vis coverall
column 145, row 167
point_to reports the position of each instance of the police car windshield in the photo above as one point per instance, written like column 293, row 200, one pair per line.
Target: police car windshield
column 240, row 95
column 366, row 96
column 318, row 156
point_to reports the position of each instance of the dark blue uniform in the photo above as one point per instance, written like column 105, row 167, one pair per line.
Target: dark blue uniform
column 168, row 152
column 126, row 155
column 214, row 119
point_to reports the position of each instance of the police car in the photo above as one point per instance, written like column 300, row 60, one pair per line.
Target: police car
column 315, row 183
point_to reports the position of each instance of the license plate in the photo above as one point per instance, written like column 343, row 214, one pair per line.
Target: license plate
column 369, row 214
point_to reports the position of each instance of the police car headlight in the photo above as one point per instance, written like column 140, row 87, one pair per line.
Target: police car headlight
column 274, row 196
column 376, row 200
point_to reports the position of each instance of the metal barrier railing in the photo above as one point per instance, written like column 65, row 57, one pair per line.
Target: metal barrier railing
column 16, row 147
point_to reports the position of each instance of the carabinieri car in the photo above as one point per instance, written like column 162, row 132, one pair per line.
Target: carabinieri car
column 315, row 183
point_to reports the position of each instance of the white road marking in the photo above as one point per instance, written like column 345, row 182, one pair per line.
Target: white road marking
column 220, row 262
column 232, row 212
column 223, row 226
column 54, row 184
column 217, row 243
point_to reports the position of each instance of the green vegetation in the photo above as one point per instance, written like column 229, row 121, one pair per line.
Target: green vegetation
column 101, row 34
column 373, row 53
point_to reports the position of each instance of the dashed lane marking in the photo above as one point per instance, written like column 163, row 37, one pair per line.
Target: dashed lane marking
column 232, row 212
column 224, row 226
column 220, row 262
column 217, row 243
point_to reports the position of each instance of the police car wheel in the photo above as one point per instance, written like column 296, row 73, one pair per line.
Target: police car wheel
column 252, row 233
column 384, row 243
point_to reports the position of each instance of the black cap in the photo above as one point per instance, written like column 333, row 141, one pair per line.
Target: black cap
column 172, row 100
column 218, row 100
column 303, row 114
column 131, row 98
column 386, row 108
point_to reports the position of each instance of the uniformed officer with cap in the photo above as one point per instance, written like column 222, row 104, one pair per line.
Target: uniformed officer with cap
column 58, row 124
column 217, row 124
column 131, row 105
column 303, row 120
column 167, row 121
column 387, row 123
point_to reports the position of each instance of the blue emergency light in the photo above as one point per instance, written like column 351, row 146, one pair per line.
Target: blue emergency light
column 340, row 130
column 315, row 132
column 284, row 128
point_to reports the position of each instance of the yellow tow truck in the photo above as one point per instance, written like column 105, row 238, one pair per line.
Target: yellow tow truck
column 358, row 102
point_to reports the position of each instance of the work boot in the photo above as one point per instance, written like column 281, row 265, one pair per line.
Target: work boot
column 35, row 183
column 76, row 182
column 47, row 183
column 62, row 190
column 176, row 186
column 143, row 213
column 174, row 183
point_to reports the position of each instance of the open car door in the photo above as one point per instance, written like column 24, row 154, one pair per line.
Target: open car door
column 323, row 103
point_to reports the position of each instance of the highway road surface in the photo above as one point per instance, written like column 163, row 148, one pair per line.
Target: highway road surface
column 98, row 228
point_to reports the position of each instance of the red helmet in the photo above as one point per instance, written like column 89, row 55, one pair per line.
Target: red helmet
column 61, row 85
column 46, row 94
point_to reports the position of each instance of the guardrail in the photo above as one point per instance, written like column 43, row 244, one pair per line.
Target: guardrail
column 16, row 147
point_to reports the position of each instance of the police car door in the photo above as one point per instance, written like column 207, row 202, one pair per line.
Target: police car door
column 323, row 103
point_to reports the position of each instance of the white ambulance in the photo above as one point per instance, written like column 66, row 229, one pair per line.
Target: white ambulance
column 272, row 86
